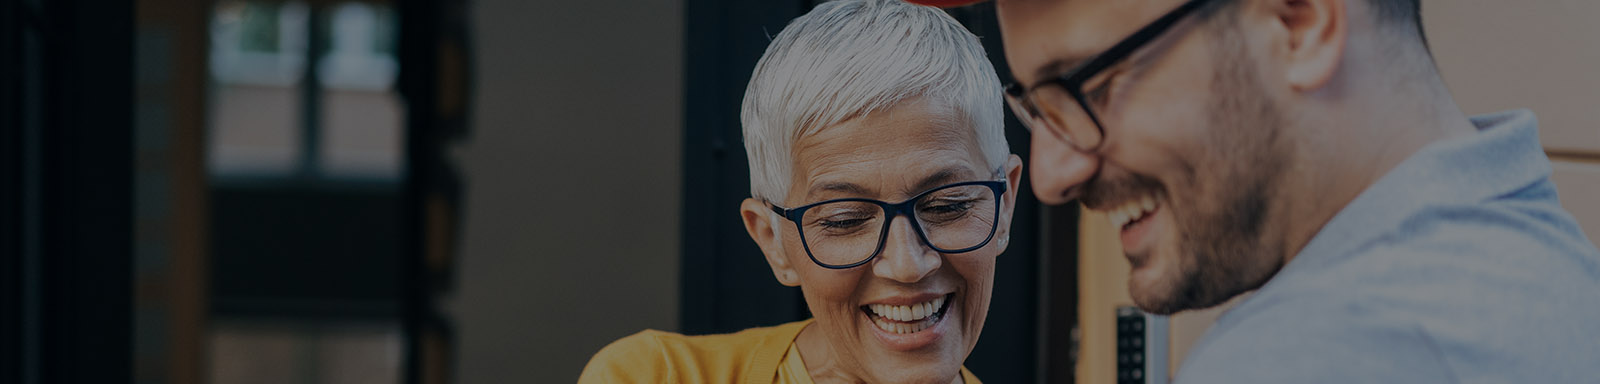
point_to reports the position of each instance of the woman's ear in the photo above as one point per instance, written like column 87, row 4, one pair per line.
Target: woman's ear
column 1013, row 171
column 759, row 225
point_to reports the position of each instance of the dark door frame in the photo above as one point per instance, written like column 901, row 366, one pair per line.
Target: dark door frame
column 726, row 285
column 67, row 169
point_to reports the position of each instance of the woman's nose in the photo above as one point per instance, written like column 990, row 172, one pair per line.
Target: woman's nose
column 905, row 258
column 1059, row 170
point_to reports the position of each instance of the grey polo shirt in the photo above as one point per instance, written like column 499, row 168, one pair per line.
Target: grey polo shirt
column 1458, row 266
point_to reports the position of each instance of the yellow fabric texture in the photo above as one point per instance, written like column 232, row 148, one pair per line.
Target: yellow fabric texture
column 751, row 356
column 793, row 369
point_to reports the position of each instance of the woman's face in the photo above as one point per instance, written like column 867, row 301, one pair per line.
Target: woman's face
column 891, row 155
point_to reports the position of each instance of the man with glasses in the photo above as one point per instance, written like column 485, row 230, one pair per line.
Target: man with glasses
column 1307, row 150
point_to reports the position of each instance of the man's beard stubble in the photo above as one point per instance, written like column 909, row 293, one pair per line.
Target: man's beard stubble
column 1223, row 248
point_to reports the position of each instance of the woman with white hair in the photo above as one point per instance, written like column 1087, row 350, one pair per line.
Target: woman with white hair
column 881, row 185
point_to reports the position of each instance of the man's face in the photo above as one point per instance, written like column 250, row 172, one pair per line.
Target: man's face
column 1192, row 153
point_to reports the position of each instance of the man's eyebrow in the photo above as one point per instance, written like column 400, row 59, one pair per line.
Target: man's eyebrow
column 1055, row 68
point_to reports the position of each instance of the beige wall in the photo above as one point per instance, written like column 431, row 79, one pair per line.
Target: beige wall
column 1495, row 55
column 1103, row 286
column 1537, row 54
column 571, row 233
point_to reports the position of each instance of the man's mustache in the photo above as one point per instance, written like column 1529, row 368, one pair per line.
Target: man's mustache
column 1112, row 187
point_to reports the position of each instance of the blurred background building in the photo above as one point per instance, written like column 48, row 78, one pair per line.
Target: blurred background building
column 484, row 191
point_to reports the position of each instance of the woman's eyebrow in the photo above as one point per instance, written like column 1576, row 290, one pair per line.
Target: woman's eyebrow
column 946, row 175
column 848, row 188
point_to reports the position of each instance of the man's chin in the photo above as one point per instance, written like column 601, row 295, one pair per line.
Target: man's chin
column 1156, row 289
column 1155, row 303
column 1177, row 294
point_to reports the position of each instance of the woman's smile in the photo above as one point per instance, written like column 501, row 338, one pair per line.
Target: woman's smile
column 909, row 327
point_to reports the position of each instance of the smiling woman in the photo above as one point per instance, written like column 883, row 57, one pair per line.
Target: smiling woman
column 882, row 187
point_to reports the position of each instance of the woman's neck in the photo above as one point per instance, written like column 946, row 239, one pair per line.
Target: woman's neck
column 823, row 363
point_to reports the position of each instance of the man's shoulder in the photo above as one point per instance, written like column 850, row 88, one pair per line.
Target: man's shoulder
column 1490, row 292
column 1374, row 334
column 1530, row 220
column 1514, row 247
column 1502, row 250
column 1307, row 338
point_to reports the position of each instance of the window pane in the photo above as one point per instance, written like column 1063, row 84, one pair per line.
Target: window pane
column 257, row 58
column 361, row 120
column 313, row 352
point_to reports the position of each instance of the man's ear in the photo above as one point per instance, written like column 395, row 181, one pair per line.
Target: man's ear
column 758, row 224
column 1013, row 172
column 1316, row 32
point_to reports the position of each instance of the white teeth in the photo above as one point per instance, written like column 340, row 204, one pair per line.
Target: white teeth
column 1118, row 219
column 906, row 318
column 1130, row 211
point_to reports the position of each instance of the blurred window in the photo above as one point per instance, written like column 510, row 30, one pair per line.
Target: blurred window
column 361, row 135
column 304, row 352
column 259, row 128
column 305, row 148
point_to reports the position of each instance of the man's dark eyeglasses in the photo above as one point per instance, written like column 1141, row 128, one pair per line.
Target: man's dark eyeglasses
column 1060, row 105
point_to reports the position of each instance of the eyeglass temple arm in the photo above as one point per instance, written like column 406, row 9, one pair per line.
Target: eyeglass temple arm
column 1138, row 39
column 779, row 210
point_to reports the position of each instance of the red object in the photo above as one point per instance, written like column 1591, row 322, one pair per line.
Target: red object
column 944, row 3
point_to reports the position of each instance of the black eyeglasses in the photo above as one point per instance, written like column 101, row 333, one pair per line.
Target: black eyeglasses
column 1061, row 106
column 845, row 233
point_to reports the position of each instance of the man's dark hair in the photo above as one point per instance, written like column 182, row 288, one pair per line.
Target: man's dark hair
column 1399, row 13
column 1405, row 14
column 1398, row 10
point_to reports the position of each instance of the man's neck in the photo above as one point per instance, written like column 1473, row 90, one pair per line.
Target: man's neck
column 1350, row 149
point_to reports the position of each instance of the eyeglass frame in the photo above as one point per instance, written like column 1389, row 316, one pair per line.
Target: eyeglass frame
column 1020, row 97
column 892, row 210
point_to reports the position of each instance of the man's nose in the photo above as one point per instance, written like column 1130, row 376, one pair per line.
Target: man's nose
column 1059, row 171
column 905, row 258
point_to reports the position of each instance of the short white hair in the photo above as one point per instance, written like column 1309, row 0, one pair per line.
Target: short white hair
column 850, row 58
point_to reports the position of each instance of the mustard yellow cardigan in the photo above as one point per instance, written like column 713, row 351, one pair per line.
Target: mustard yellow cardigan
column 750, row 356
